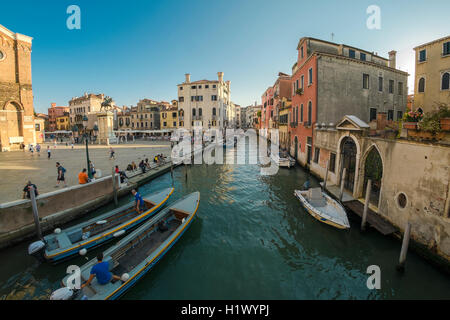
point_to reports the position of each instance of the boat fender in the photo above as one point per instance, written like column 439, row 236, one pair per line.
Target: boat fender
column 182, row 221
column 101, row 222
column 57, row 230
column 82, row 252
column 62, row 294
column 119, row 233
column 35, row 247
column 125, row 277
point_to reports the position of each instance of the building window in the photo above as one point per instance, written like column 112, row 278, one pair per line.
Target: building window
column 181, row 88
column 309, row 113
column 206, row 86
column 316, row 155
column 214, row 86
column 362, row 56
column 214, row 111
column 365, row 81
column 373, row 114
column 351, row 53
column 193, row 87
column 391, row 86
column 301, row 113
column 400, row 88
column 421, row 85
column 390, row 115
column 332, row 164
column 199, row 87
column 302, row 81
column 445, row 49
column 301, row 52
column 37, row 125
column 2, row 55
column 200, row 112
column 181, row 99
column 422, row 55
column 164, row 124
column 399, row 115
column 213, row 98
column 296, row 114
column 192, row 98
column 310, row 76
column 445, row 81
column 380, row 84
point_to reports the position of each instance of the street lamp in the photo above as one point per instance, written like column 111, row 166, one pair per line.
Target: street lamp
column 85, row 135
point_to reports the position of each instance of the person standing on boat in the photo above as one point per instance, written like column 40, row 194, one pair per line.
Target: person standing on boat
column 140, row 206
column 101, row 271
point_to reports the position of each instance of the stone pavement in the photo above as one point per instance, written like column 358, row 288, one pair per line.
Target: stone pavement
column 17, row 167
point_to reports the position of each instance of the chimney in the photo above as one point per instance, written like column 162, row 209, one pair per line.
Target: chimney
column 53, row 104
column 392, row 58
column 220, row 76
column 188, row 77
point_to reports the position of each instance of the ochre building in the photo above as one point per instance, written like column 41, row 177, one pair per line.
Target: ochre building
column 17, row 123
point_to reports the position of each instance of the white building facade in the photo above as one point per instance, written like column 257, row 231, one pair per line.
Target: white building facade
column 203, row 103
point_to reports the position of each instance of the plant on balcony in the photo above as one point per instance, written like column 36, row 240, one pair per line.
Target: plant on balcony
column 444, row 117
column 299, row 91
column 411, row 118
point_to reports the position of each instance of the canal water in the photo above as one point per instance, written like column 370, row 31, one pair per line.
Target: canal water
column 251, row 239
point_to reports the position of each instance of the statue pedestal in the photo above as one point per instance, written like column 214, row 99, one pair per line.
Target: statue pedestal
column 105, row 128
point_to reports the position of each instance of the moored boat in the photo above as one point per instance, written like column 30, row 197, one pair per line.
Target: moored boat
column 283, row 160
column 137, row 253
column 63, row 244
column 323, row 207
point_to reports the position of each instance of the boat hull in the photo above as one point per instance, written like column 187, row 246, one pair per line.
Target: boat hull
column 318, row 215
column 108, row 235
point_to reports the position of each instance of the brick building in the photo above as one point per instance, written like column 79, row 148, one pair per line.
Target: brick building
column 53, row 113
column 17, row 122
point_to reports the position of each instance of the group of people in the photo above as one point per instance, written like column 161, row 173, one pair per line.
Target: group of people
column 144, row 165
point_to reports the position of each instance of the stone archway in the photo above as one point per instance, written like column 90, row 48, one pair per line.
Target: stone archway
column 373, row 169
column 14, row 121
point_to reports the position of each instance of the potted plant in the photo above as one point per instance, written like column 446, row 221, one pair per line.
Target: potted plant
column 411, row 118
column 429, row 126
column 444, row 117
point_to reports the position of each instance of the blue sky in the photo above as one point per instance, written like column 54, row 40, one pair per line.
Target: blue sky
column 142, row 49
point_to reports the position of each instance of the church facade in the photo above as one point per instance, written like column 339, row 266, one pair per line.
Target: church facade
column 17, row 121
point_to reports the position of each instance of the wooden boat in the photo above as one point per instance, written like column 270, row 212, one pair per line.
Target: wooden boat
column 77, row 239
column 323, row 207
column 283, row 160
column 138, row 252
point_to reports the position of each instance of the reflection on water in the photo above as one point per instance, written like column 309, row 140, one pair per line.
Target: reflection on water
column 250, row 240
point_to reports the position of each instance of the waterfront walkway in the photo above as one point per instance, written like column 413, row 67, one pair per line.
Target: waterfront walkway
column 357, row 206
column 17, row 167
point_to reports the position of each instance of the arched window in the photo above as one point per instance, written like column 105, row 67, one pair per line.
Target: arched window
column 193, row 112
column 445, row 81
column 422, row 85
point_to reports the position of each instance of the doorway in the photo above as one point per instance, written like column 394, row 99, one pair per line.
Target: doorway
column 348, row 155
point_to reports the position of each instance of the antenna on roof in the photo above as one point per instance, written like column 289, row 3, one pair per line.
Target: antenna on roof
column 332, row 36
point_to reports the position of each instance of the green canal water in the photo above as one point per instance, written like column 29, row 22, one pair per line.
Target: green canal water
column 250, row 240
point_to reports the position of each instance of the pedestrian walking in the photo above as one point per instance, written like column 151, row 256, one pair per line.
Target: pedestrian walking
column 111, row 153
column 49, row 152
column 61, row 171
column 71, row 145
column 31, row 149
column 38, row 149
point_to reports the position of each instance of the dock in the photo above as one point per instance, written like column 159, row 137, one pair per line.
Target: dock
column 357, row 207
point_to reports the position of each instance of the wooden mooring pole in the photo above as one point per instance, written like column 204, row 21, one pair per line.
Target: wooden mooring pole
column 342, row 184
column 114, row 186
column 326, row 178
column 404, row 250
column 366, row 205
column 35, row 212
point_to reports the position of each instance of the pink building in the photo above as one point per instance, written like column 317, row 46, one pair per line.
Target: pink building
column 53, row 113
